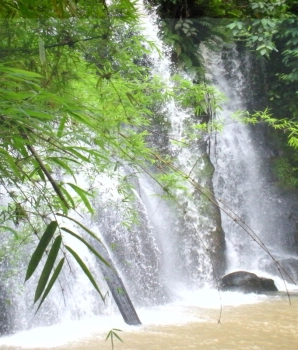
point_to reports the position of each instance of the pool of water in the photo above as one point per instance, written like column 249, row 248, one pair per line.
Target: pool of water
column 246, row 322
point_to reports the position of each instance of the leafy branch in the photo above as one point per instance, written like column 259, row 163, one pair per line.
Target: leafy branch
column 112, row 335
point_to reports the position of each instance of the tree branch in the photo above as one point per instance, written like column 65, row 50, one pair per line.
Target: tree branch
column 46, row 172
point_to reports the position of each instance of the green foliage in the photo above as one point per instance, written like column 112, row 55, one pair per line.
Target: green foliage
column 85, row 270
column 258, row 24
column 257, row 33
column 186, row 34
column 285, row 167
column 72, row 99
column 286, row 174
column 203, row 99
column 290, row 127
column 52, row 281
column 197, row 8
column 76, row 98
column 40, row 249
column 112, row 335
column 45, row 274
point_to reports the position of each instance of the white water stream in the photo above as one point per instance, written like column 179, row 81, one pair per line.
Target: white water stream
column 241, row 180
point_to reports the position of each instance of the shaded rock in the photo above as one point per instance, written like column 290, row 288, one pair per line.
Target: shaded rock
column 5, row 318
column 289, row 266
column 247, row 282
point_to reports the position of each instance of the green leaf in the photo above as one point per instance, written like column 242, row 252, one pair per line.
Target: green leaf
column 231, row 25
column 18, row 143
column 40, row 249
column 61, row 126
column 116, row 335
column 82, row 226
column 68, row 197
column 45, row 274
column 77, row 154
column 111, row 335
column 39, row 115
column 82, row 193
column 81, row 118
column 42, row 53
column 63, row 165
column 51, row 282
column 85, row 270
column 95, row 252
column 11, row 162
column 7, row 228
column 20, row 72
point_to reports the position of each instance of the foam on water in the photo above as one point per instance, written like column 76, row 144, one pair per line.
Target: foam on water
column 185, row 309
column 63, row 333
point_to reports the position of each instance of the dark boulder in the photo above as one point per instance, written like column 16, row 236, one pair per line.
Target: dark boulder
column 247, row 282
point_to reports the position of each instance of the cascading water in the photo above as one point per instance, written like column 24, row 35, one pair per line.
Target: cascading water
column 242, row 178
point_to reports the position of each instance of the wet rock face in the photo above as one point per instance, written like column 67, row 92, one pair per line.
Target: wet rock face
column 247, row 282
column 5, row 318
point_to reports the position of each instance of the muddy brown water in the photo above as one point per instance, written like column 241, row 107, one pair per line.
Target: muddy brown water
column 271, row 324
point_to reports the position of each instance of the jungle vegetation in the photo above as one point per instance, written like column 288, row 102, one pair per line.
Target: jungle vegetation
column 78, row 101
column 268, row 30
column 77, row 104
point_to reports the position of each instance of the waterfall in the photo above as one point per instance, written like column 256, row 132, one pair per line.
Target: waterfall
column 242, row 180
column 159, row 247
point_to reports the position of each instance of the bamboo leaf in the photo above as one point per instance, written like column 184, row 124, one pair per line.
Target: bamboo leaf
column 11, row 162
column 82, row 193
column 45, row 274
column 40, row 249
column 89, row 246
column 38, row 114
column 68, row 197
column 116, row 335
column 85, row 270
column 109, row 335
column 82, row 226
column 77, row 154
column 42, row 53
column 40, row 173
column 63, row 165
column 52, row 281
column 20, row 72
column 80, row 118
column 7, row 228
column 19, row 145
column 61, row 126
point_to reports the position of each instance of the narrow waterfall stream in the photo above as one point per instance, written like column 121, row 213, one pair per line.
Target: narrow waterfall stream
column 242, row 178
column 170, row 258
